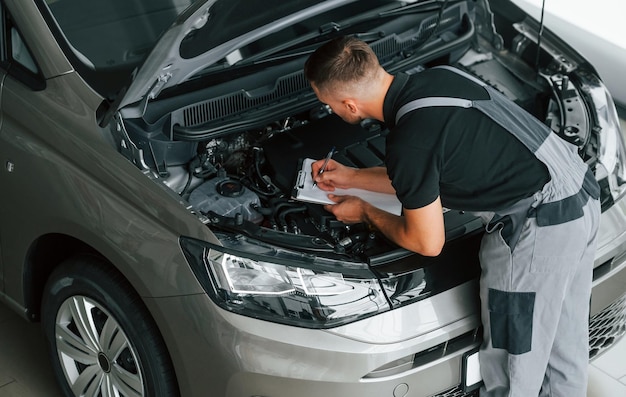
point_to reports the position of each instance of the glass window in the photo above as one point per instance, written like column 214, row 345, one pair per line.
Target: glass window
column 114, row 33
column 20, row 53
column 15, row 56
column 106, row 40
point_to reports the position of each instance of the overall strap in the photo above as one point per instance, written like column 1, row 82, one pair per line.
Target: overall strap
column 462, row 73
column 440, row 101
column 431, row 101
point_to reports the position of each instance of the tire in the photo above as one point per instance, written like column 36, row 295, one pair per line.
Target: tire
column 102, row 340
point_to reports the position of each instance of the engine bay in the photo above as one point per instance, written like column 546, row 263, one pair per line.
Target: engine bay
column 243, row 181
column 234, row 157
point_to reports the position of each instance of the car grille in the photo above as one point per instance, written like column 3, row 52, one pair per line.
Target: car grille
column 607, row 327
column 457, row 392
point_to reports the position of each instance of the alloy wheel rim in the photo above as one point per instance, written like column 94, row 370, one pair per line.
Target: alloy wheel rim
column 96, row 356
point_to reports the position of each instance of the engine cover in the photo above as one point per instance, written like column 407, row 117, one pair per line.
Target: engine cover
column 226, row 197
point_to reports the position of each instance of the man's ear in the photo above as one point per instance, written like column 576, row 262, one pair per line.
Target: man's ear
column 350, row 105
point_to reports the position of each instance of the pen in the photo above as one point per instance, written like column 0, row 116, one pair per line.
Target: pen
column 328, row 156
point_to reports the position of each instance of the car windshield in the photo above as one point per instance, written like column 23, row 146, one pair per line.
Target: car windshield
column 114, row 33
column 107, row 40
column 307, row 27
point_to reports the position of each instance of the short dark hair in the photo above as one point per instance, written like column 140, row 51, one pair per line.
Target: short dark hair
column 344, row 59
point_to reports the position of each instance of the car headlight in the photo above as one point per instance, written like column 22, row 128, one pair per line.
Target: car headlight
column 611, row 166
column 259, row 280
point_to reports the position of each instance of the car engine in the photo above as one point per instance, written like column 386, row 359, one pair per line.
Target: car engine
column 232, row 148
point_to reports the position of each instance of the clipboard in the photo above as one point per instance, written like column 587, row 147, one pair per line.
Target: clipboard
column 304, row 190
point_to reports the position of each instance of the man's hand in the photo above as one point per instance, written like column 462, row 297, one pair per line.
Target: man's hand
column 420, row 230
column 339, row 176
column 336, row 175
column 348, row 209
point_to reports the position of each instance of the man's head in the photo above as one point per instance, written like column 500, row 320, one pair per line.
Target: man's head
column 345, row 74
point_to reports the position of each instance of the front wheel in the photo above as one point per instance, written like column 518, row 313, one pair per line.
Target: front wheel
column 102, row 340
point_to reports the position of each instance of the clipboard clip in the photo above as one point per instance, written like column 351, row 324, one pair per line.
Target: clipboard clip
column 301, row 179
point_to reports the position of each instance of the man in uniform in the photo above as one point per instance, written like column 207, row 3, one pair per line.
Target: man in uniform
column 455, row 142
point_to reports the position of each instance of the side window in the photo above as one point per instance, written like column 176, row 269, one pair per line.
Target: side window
column 20, row 53
column 16, row 57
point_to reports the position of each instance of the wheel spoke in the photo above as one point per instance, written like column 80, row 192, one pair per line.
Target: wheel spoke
column 74, row 347
column 128, row 383
column 108, row 389
column 80, row 310
column 88, row 382
column 112, row 339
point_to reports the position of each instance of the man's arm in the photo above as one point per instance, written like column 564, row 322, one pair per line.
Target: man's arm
column 337, row 175
column 420, row 230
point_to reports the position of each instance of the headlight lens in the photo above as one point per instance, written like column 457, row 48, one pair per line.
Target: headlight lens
column 266, row 282
column 611, row 167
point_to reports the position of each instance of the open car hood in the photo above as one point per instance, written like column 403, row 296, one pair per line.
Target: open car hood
column 165, row 67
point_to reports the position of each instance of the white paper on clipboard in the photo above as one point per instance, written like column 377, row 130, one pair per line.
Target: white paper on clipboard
column 305, row 191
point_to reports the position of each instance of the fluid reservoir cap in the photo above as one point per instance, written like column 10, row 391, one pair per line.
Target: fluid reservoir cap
column 230, row 188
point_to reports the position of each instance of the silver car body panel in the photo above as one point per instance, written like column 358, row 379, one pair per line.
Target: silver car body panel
column 66, row 179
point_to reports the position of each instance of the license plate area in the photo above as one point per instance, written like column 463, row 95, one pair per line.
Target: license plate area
column 471, row 379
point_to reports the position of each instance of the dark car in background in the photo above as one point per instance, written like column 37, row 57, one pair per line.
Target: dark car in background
column 149, row 151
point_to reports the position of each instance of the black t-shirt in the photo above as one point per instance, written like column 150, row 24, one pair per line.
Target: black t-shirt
column 456, row 153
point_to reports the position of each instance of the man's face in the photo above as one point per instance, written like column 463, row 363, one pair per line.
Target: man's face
column 343, row 107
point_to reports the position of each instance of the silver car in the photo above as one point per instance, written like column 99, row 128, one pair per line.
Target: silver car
column 149, row 152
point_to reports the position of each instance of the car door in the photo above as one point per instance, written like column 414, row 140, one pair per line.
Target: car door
column 2, row 76
column 17, row 67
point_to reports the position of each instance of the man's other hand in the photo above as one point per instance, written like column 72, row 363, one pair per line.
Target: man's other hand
column 348, row 209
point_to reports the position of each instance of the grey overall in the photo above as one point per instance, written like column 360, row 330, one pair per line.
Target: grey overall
column 537, row 260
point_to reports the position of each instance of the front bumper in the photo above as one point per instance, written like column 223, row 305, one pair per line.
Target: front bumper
column 221, row 353
column 415, row 350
